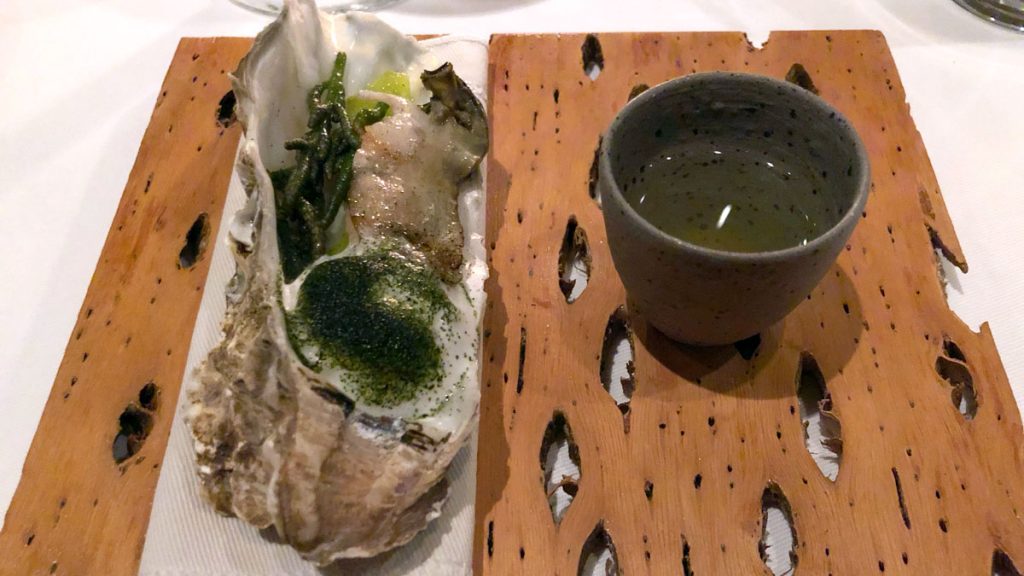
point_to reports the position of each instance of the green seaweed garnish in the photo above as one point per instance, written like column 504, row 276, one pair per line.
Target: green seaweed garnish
column 370, row 115
column 309, row 196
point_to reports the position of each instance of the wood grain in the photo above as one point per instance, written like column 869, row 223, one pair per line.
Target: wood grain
column 875, row 326
column 76, row 511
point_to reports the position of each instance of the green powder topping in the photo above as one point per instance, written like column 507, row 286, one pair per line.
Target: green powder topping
column 371, row 315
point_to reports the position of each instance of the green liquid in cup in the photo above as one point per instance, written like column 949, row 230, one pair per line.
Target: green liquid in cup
column 732, row 199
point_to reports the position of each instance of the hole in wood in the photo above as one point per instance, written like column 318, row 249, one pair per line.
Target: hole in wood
column 593, row 57
column 687, row 567
column 1002, row 565
column 947, row 268
column 962, row 393
column 899, row 497
column 595, row 172
column 560, row 461
column 148, row 396
column 573, row 261
column 822, row 431
column 945, row 272
column 952, row 350
column 226, row 109
column 798, row 75
column 522, row 359
column 134, row 426
column 195, row 242
column 748, row 346
column 490, row 539
column 778, row 535
column 637, row 90
column 598, row 555
column 617, row 369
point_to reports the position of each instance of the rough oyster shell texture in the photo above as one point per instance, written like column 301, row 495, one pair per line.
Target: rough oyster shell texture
column 275, row 444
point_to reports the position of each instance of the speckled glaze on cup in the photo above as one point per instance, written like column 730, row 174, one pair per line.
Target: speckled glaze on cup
column 704, row 296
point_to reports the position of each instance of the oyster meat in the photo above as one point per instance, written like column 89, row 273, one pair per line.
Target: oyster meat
column 348, row 377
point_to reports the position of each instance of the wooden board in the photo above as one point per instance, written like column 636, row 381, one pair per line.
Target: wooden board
column 921, row 489
column 77, row 511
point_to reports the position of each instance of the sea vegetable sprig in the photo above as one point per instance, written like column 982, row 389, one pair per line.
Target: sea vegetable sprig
column 309, row 196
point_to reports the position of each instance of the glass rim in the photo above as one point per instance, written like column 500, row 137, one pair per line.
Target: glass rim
column 995, row 13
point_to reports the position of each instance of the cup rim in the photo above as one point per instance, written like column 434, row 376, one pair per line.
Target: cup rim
column 863, row 166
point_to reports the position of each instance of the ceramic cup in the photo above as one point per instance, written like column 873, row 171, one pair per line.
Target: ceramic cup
column 706, row 296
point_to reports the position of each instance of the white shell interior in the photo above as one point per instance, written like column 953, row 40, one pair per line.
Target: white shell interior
column 278, row 89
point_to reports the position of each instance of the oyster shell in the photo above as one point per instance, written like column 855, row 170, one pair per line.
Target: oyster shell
column 284, row 436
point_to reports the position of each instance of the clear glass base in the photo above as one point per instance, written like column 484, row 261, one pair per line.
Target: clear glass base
column 1008, row 13
column 274, row 6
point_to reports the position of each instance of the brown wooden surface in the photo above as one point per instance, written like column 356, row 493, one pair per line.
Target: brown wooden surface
column 710, row 412
column 75, row 510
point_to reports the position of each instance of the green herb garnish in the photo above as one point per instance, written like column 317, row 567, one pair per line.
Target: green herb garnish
column 309, row 196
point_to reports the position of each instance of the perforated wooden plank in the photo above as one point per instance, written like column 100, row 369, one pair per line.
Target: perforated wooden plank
column 76, row 510
column 921, row 489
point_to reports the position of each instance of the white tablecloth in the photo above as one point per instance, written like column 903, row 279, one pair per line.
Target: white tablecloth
column 79, row 78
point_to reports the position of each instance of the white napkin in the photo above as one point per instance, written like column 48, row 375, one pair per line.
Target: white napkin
column 187, row 538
